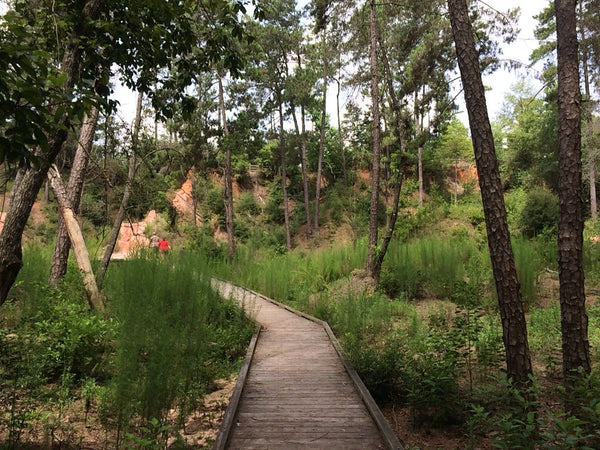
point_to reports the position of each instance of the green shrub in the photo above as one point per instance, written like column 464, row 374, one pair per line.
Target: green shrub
column 246, row 204
column 540, row 212
column 274, row 207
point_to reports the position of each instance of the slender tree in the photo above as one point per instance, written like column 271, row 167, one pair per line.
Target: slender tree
column 283, row 151
column 62, row 244
column 574, row 320
column 227, row 176
column 300, row 91
column 114, row 234
column 514, row 328
column 323, row 125
column 376, row 156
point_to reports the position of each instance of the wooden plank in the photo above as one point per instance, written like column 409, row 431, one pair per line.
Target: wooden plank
column 298, row 393
column 229, row 416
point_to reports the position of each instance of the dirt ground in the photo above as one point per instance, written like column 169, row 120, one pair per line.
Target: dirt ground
column 75, row 428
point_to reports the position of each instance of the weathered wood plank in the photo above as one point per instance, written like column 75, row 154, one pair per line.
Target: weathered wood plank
column 297, row 391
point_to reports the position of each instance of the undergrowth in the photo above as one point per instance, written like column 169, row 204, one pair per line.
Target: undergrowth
column 167, row 338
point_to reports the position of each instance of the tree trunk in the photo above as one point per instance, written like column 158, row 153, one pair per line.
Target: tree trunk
column 397, row 111
column 341, row 133
column 79, row 249
column 420, row 173
column 574, row 320
column 62, row 244
column 304, row 165
column 114, row 234
column 586, row 108
column 322, row 134
column 228, row 181
column 419, row 130
column 30, row 180
column 592, row 177
column 286, row 210
column 514, row 328
column 375, row 168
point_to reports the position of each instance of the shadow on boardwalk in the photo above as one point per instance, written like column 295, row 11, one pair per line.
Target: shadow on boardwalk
column 296, row 390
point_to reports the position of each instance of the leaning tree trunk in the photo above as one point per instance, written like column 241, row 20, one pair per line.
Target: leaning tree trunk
column 514, row 327
column 228, row 182
column 62, row 244
column 574, row 320
column 286, row 206
column 375, row 168
column 114, row 234
column 79, row 249
column 29, row 180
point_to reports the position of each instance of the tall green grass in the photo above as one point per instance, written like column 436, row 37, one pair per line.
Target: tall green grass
column 175, row 336
column 167, row 339
column 428, row 267
column 292, row 277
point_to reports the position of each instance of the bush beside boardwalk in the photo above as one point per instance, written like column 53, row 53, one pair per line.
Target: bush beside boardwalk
column 136, row 376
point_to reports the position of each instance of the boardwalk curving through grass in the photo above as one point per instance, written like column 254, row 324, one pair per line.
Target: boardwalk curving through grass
column 295, row 389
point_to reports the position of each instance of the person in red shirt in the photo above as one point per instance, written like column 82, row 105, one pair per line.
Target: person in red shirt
column 163, row 246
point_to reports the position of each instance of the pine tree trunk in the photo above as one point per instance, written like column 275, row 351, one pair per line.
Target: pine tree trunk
column 30, row 180
column 397, row 111
column 286, row 207
column 375, row 166
column 341, row 134
column 62, row 243
column 322, row 133
column 514, row 329
column 114, row 234
column 228, row 179
column 304, row 165
column 574, row 320
column 586, row 109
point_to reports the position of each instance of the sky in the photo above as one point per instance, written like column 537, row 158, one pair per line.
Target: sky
column 501, row 81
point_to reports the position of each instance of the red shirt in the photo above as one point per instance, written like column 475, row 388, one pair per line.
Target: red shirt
column 163, row 245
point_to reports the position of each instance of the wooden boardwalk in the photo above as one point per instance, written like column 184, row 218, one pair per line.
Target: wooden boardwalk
column 295, row 389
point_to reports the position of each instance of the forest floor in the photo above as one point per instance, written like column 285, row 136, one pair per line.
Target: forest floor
column 77, row 428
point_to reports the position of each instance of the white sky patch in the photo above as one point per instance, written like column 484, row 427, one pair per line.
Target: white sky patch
column 501, row 81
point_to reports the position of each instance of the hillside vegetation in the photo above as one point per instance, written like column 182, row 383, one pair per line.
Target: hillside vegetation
column 427, row 341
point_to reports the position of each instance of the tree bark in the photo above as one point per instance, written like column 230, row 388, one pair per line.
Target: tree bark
column 30, row 180
column 586, row 108
column 375, row 167
column 79, row 249
column 322, row 132
column 514, row 329
column 286, row 210
column 228, row 181
column 341, row 133
column 114, row 234
column 304, row 166
column 62, row 244
column 398, row 125
column 574, row 320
